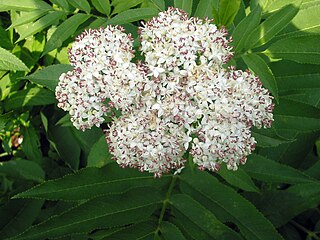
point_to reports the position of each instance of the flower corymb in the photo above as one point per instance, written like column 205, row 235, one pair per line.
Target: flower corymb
column 179, row 101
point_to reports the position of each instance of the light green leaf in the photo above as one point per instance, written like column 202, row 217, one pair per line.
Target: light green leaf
column 81, row 4
column 291, row 114
column 8, row 61
column 204, row 9
column 160, row 4
column 22, row 169
column 301, row 49
column 185, row 5
column 46, row 21
column 17, row 215
column 102, row 212
column 267, row 170
column 102, row 6
column 228, row 9
column 62, row 3
column 121, row 6
column 99, row 154
column 261, row 69
column 201, row 217
column 306, row 21
column 64, row 31
column 239, row 179
column 169, row 231
column 27, row 17
column 91, row 182
column 30, row 97
column 24, row 5
column 133, row 15
column 49, row 76
column 244, row 28
column 227, row 205
column 271, row 26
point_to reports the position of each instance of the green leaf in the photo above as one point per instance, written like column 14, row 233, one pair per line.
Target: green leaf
column 99, row 154
column 133, row 15
column 271, row 26
column 260, row 67
column 244, row 28
column 81, row 4
column 64, row 31
column 185, row 5
column 17, row 216
column 27, row 17
column 227, row 205
column 31, row 144
column 301, row 49
column 49, row 76
column 160, row 4
column 201, row 217
column 91, row 182
column 268, row 138
column 121, row 6
column 102, row 6
column 23, row 5
column 22, row 169
column 204, row 9
column 169, row 231
column 291, row 114
column 62, row 3
column 46, row 21
column 137, row 231
column 103, row 212
column 306, row 21
column 297, row 199
column 8, row 61
column 228, row 9
column 30, row 97
column 239, row 179
column 267, row 170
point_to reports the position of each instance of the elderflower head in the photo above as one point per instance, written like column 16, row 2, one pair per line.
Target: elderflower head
column 180, row 100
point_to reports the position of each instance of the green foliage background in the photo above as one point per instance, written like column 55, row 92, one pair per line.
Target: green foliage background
column 58, row 182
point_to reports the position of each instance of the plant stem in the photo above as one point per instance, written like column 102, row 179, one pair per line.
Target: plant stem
column 165, row 203
column 302, row 228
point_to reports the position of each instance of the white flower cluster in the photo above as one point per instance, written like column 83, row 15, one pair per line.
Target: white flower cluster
column 181, row 99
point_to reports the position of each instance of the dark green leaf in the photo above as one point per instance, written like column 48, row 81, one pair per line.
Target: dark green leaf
column 228, row 9
column 260, row 67
column 291, row 114
column 201, row 217
column 8, row 61
column 301, row 49
column 30, row 97
column 267, row 170
column 102, row 212
column 102, row 6
column 46, row 21
column 81, row 4
column 25, row 5
column 64, row 31
column 238, row 179
column 244, row 28
column 92, row 182
column 227, row 205
column 99, row 154
column 169, row 231
column 62, row 3
column 268, row 138
column 31, row 144
column 271, row 26
column 185, row 5
column 17, row 215
column 133, row 15
column 49, row 76
column 22, row 169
